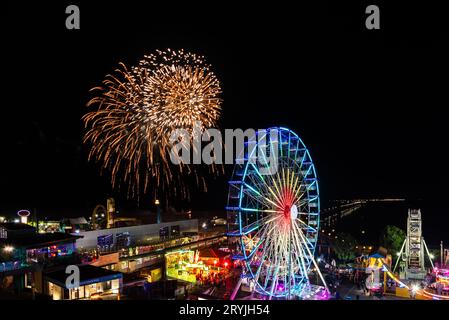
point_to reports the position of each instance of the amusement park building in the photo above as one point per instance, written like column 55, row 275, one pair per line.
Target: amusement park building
column 135, row 235
column 25, row 254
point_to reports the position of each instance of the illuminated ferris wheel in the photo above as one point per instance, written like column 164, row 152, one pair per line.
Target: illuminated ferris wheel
column 276, row 217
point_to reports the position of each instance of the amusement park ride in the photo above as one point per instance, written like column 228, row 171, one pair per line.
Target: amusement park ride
column 413, row 249
column 100, row 211
column 104, row 217
column 275, row 219
column 413, row 278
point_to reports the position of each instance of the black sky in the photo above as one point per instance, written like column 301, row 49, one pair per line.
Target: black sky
column 370, row 105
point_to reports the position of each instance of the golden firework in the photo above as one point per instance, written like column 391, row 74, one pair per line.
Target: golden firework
column 137, row 108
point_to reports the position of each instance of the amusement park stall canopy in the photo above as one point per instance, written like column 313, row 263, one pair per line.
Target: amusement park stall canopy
column 209, row 255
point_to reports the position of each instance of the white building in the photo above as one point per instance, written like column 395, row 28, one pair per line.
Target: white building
column 135, row 235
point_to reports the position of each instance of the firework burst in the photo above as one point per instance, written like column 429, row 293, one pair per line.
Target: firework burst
column 137, row 108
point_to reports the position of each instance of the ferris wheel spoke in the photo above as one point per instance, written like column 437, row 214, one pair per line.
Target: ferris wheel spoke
column 250, row 228
column 295, row 182
column 301, row 253
column 260, row 236
column 273, row 218
column 307, row 241
column 261, row 262
column 254, row 249
column 299, row 194
column 256, row 196
column 259, row 268
column 262, row 231
column 275, row 193
column 261, row 178
column 259, row 210
column 296, row 189
column 305, row 225
column 258, row 183
column 300, row 203
column 274, row 280
column 313, row 260
column 269, row 185
column 268, row 267
column 265, row 185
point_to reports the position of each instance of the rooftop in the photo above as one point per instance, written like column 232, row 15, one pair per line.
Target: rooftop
column 38, row 240
column 15, row 226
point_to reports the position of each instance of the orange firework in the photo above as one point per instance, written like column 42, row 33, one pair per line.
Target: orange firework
column 136, row 110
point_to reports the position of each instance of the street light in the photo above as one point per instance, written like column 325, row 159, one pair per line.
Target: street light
column 158, row 209
column 8, row 249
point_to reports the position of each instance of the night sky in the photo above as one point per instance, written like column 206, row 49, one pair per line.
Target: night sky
column 370, row 105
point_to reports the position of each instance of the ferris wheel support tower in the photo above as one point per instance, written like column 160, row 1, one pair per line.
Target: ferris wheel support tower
column 414, row 249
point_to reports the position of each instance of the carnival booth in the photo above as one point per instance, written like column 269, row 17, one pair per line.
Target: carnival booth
column 374, row 281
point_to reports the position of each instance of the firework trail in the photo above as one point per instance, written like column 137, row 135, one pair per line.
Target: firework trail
column 135, row 111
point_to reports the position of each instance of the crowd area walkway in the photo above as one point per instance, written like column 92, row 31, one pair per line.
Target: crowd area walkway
column 347, row 290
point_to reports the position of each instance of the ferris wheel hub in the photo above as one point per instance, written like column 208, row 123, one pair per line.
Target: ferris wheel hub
column 294, row 212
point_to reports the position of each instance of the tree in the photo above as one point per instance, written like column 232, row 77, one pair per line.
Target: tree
column 344, row 247
column 392, row 239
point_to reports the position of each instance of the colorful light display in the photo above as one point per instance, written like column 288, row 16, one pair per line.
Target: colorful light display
column 438, row 290
column 276, row 218
column 23, row 214
column 139, row 107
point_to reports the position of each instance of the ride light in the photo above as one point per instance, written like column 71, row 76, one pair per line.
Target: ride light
column 8, row 249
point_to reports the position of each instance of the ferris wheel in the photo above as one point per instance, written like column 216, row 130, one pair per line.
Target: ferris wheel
column 276, row 217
